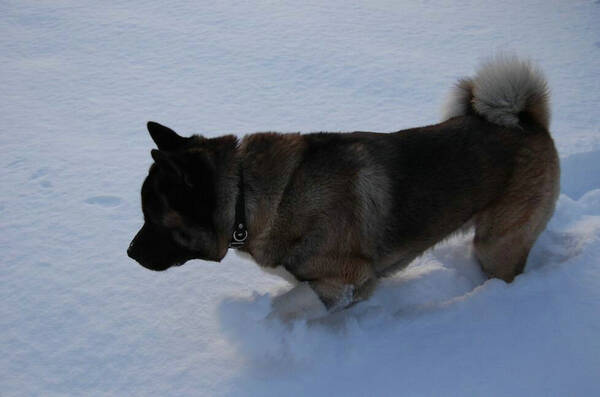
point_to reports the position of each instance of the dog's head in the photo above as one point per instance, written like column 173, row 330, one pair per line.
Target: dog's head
column 182, row 201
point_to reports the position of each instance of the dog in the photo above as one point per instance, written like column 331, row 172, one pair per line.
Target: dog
column 339, row 211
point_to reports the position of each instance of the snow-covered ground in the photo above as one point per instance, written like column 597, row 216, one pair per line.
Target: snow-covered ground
column 80, row 79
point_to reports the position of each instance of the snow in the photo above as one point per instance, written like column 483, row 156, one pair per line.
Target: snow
column 80, row 79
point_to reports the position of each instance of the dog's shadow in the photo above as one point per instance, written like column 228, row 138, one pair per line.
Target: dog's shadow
column 580, row 173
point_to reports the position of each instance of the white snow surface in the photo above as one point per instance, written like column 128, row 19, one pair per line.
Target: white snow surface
column 80, row 79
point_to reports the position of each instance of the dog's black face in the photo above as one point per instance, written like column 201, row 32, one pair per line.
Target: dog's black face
column 178, row 200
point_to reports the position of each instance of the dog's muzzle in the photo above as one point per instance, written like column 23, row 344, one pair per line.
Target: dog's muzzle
column 153, row 248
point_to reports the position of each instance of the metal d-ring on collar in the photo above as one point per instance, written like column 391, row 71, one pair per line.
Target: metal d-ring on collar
column 240, row 232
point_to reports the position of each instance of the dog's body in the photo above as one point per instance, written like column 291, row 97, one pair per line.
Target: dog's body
column 338, row 211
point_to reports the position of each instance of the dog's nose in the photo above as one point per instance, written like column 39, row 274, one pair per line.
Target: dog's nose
column 131, row 251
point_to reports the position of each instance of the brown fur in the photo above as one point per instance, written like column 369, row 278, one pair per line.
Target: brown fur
column 327, row 226
column 506, row 231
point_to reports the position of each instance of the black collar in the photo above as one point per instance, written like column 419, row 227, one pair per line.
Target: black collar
column 240, row 232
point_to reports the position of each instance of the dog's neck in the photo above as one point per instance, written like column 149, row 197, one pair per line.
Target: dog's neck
column 268, row 161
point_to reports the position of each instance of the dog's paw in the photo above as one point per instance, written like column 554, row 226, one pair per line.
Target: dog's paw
column 301, row 302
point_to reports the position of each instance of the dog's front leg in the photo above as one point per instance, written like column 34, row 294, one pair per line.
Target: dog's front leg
column 314, row 299
column 300, row 302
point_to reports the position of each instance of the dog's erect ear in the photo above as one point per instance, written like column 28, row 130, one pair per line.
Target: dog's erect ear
column 164, row 137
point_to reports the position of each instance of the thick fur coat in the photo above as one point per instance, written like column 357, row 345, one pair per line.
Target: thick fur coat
column 338, row 211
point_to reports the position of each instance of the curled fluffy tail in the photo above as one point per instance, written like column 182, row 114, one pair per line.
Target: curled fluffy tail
column 504, row 90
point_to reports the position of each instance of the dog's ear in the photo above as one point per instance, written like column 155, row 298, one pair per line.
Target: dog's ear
column 164, row 137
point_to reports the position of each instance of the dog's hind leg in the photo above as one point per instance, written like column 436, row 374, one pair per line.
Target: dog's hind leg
column 508, row 228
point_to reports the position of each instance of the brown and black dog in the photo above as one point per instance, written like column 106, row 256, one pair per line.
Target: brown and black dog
column 338, row 211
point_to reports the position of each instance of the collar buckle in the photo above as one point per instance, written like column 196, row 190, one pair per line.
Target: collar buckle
column 240, row 232
column 239, row 236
